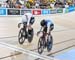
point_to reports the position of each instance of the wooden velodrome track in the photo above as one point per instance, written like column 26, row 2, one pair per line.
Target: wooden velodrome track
column 63, row 34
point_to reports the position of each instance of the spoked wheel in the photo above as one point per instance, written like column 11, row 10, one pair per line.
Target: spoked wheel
column 30, row 38
column 40, row 45
column 21, row 36
column 49, row 43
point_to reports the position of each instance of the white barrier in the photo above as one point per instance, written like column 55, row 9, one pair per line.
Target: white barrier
column 18, row 12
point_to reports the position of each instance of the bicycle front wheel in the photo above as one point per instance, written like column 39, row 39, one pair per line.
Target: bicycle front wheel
column 40, row 45
column 21, row 36
column 49, row 43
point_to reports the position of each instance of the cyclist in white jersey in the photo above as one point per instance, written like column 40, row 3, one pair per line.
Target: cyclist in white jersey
column 28, row 19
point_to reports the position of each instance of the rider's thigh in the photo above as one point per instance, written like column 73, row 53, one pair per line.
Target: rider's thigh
column 29, row 26
column 45, row 29
column 31, row 21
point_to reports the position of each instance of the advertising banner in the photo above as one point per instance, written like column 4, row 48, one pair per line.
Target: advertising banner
column 71, row 9
column 36, row 12
column 13, row 12
column 25, row 11
column 60, row 10
column 53, row 11
column 46, row 11
column 66, row 10
column 2, row 11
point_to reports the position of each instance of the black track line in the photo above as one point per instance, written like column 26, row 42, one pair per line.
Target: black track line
column 53, row 31
column 60, row 50
column 59, row 43
column 10, row 56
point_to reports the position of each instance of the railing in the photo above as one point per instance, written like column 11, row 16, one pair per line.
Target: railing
column 14, row 11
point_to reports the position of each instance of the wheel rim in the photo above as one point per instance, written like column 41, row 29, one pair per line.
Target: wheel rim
column 40, row 46
column 21, row 36
column 49, row 43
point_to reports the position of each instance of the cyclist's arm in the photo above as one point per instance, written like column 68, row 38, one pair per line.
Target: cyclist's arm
column 19, row 25
column 41, row 29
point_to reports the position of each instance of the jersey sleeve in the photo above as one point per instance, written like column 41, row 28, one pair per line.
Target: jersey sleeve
column 24, row 19
column 49, row 22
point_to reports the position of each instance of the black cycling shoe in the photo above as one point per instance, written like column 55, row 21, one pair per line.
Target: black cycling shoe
column 30, row 32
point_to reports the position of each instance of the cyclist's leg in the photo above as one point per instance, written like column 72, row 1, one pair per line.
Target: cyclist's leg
column 25, row 25
column 51, row 28
column 44, row 34
column 49, row 38
column 45, row 31
column 25, row 28
column 30, row 29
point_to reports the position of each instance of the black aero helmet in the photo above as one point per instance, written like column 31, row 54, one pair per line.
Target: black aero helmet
column 43, row 22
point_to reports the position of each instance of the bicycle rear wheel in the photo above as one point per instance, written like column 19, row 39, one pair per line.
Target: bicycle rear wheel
column 30, row 38
column 40, row 45
column 49, row 43
column 21, row 36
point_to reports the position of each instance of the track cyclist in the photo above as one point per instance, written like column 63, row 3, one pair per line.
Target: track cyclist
column 46, row 26
column 29, row 20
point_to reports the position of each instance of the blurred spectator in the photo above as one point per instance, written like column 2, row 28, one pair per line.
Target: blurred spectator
column 23, row 7
column 17, row 6
column 70, row 4
column 52, row 1
column 66, row 5
column 59, row 5
column 48, row 6
column 28, row 4
column 37, row 4
column 5, row 4
column 52, row 5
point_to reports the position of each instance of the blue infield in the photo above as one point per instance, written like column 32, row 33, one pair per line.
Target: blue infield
column 69, row 55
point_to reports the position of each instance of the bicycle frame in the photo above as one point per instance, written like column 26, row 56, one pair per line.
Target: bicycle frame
column 45, row 42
